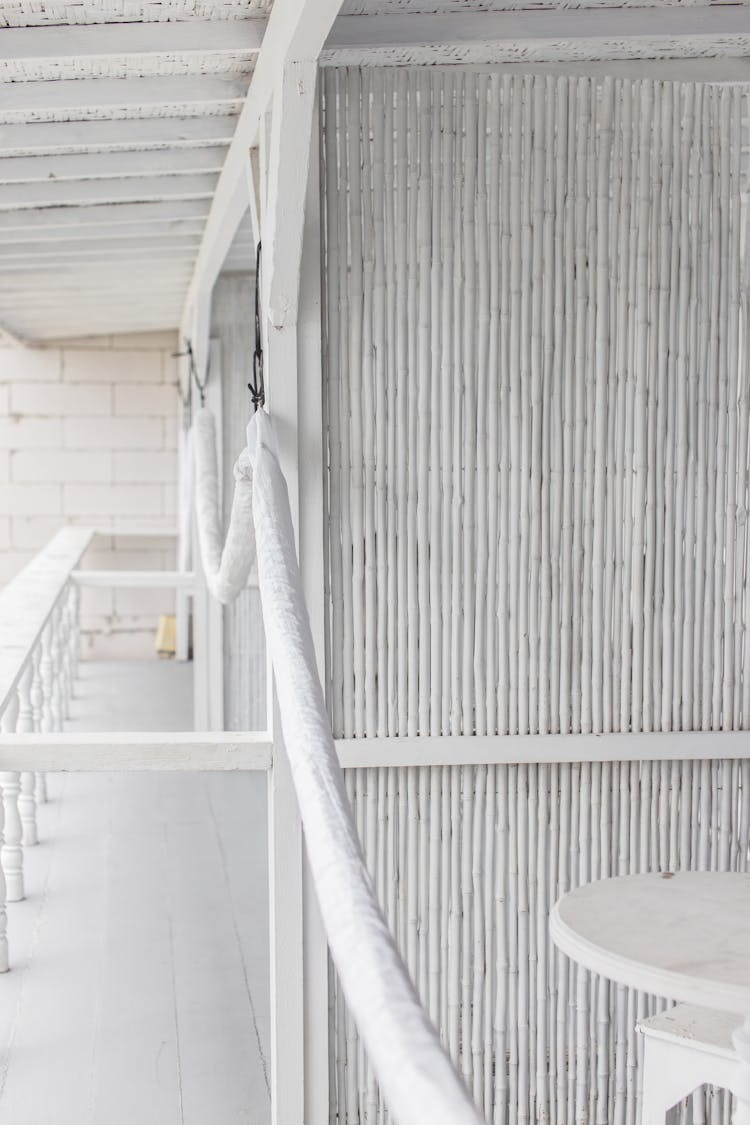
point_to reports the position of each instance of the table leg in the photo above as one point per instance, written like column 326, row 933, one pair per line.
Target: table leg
column 741, row 1040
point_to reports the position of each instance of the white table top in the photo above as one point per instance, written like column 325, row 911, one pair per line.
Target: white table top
column 684, row 936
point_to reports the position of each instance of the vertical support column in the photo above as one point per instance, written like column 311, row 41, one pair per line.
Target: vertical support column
column 285, row 830
column 8, row 726
column 284, row 826
column 312, row 515
column 12, row 852
column 208, row 613
column 25, row 725
column 185, row 510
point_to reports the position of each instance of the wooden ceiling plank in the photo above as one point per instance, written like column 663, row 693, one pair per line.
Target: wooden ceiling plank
column 106, row 165
column 107, row 93
column 39, row 251
column 115, row 40
column 296, row 32
column 575, row 34
column 43, row 136
column 138, row 189
column 104, row 215
column 119, row 233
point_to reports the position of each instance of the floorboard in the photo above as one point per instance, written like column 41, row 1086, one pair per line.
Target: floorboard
column 138, row 990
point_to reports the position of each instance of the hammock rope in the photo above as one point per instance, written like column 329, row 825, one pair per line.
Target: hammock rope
column 418, row 1080
column 226, row 562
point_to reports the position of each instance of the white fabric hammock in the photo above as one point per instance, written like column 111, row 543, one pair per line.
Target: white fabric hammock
column 417, row 1078
column 226, row 562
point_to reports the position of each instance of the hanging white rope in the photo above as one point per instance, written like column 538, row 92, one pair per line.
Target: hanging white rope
column 226, row 562
column 416, row 1076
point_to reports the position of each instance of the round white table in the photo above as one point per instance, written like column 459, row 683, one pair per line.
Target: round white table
column 684, row 936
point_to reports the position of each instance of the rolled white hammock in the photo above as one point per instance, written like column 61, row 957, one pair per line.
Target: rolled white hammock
column 226, row 562
column 416, row 1076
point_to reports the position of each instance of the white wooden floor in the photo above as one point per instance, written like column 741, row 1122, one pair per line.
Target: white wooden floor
column 138, row 990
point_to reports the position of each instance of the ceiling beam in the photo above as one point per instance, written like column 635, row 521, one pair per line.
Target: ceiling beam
column 10, row 338
column 138, row 189
column 296, row 32
column 103, row 215
column 113, row 259
column 565, row 34
column 42, row 136
column 105, row 165
column 169, row 226
column 110, row 93
column 102, row 244
column 118, row 40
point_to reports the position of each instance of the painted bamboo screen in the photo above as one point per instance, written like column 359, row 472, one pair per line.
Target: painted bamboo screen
column 468, row 860
column 537, row 418
column 537, row 434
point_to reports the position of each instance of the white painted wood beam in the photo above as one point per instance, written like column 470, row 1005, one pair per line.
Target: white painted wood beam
column 102, row 215
column 135, row 579
column 296, row 31
column 142, row 751
column 567, row 34
column 448, row 750
column 110, row 93
column 84, row 235
column 142, row 259
column 72, row 249
column 62, row 287
column 116, row 40
column 136, row 189
column 282, row 224
column 10, row 338
column 43, row 136
column 110, row 165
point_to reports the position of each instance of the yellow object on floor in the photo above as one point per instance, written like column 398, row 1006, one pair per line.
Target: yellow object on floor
column 166, row 635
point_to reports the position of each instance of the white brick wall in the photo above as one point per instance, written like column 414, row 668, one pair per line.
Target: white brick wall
column 88, row 435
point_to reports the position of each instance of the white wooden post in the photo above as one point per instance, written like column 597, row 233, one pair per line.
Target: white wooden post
column 284, row 826
column 208, row 614
column 312, row 566
column 25, row 725
column 185, row 502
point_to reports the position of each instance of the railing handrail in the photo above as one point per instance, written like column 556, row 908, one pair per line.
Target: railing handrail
column 28, row 601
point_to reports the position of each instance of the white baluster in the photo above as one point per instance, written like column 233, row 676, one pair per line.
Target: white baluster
column 37, row 708
column 55, row 652
column 45, row 717
column 12, row 852
column 25, row 725
column 75, row 631
column 66, row 664
column 11, row 720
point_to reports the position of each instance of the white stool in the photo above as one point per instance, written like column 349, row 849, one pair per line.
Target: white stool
column 684, row 1048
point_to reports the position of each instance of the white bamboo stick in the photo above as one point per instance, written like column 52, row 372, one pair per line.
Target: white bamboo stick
column 422, row 374
column 481, row 375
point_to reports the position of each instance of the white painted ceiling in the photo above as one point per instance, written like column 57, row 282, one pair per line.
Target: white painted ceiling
column 114, row 124
column 115, row 118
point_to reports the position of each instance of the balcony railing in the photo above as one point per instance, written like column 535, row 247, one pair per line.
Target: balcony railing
column 468, row 842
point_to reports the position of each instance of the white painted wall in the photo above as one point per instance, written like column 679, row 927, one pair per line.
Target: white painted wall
column 88, row 435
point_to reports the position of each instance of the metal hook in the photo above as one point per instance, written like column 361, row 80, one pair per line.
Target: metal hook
column 257, row 387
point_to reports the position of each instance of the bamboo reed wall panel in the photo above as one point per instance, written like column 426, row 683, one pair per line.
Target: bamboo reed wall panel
column 537, row 423
column 537, row 414
column 468, row 860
